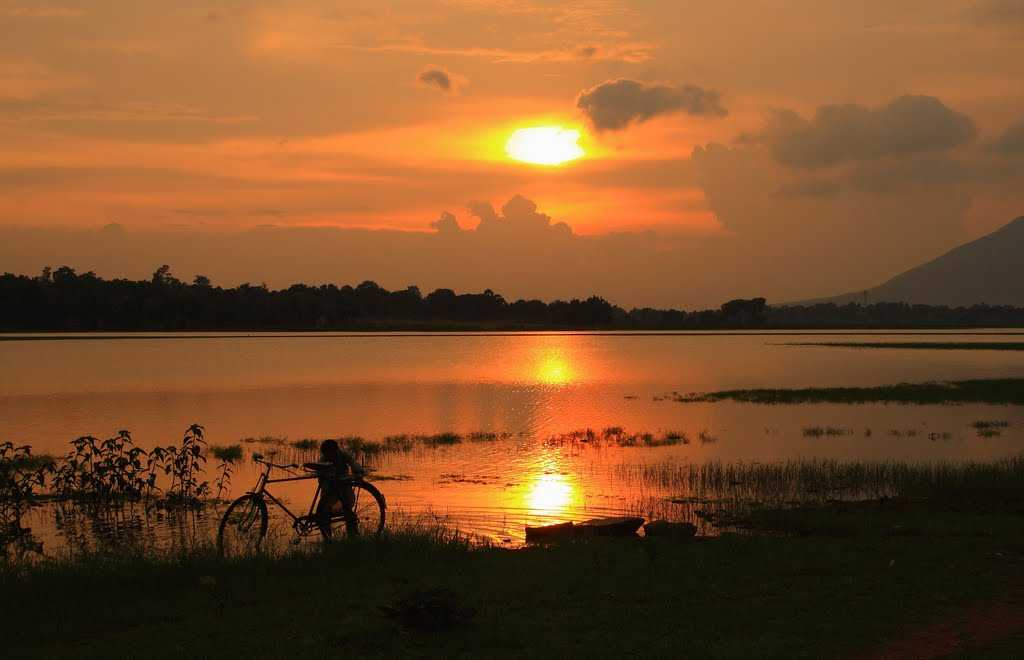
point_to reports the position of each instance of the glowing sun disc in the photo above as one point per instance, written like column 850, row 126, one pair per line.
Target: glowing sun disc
column 544, row 145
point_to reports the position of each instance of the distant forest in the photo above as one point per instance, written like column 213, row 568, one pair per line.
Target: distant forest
column 62, row 300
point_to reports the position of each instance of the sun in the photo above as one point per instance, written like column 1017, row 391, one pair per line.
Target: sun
column 544, row 145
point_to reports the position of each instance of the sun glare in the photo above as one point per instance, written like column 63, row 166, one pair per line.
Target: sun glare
column 544, row 145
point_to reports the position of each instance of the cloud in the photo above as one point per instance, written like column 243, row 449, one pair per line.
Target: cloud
column 519, row 218
column 907, row 126
column 436, row 78
column 1011, row 142
column 997, row 12
column 614, row 104
column 447, row 224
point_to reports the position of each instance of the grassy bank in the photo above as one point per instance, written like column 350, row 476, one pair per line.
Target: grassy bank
column 813, row 595
column 998, row 391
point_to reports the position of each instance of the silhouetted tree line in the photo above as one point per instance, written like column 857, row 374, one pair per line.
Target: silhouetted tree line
column 63, row 300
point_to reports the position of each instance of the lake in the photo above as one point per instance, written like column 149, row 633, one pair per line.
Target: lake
column 528, row 387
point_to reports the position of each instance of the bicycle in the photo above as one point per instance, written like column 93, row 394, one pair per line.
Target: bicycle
column 244, row 525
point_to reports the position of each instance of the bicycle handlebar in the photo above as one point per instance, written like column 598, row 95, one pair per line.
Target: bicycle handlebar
column 259, row 459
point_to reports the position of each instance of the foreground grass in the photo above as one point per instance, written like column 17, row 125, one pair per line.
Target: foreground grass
column 818, row 595
column 1006, row 391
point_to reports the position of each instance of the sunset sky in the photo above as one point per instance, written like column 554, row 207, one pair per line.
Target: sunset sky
column 790, row 149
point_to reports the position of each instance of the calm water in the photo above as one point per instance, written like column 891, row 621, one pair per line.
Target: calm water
column 531, row 386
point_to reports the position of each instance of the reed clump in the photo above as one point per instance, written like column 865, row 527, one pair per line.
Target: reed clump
column 989, row 428
column 617, row 436
column 819, row 480
column 819, row 431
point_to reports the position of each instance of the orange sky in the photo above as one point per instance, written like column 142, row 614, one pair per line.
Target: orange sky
column 715, row 130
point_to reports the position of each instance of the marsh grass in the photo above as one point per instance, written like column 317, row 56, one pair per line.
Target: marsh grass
column 616, row 436
column 227, row 453
column 997, row 483
column 266, row 440
column 439, row 439
column 989, row 428
column 819, row 431
column 1005, row 391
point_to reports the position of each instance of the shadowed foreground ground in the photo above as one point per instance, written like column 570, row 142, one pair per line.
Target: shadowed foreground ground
column 844, row 582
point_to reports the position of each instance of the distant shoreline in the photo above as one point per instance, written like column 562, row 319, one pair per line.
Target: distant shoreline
column 96, row 335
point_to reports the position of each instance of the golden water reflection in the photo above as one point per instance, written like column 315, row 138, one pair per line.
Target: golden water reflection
column 554, row 368
column 550, row 491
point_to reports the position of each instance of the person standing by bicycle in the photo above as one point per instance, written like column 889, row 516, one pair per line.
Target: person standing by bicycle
column 333, row 469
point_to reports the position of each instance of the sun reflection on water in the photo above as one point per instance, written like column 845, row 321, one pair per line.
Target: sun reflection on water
column 550, row 494
column 554, row 369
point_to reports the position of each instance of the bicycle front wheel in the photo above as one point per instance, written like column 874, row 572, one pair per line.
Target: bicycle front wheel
column 243, row 527
column 365, row 516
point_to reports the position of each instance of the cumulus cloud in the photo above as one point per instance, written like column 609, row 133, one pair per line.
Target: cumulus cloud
column 437, row 78
column 614, row 104
column 519, row 218
column 447, row 224
column 907, row 126
column 1011, row 142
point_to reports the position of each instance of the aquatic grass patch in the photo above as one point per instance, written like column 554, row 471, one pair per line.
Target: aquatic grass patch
column 488, row 436
column 617, row 436
column 277, row 440
column 306, row 444
column 998, row 484
column 440, row 439
column 921, row 345
column 989, row 428
column 227, row 453
column 706, row 437
column 1003, row 391
column 399, row 443
column 819, row 431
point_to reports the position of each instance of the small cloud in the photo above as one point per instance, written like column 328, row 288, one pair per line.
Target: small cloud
column 439, row 79
column 614, row 104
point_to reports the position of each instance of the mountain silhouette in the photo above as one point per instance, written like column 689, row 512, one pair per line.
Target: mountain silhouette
column 987, row 270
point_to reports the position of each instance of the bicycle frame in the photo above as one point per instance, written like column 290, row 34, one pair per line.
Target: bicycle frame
column 260, row 490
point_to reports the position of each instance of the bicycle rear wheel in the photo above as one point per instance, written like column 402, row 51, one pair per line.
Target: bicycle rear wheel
column 367, row 513
column 243, row 527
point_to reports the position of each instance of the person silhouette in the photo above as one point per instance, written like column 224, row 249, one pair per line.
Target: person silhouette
column 333, row 468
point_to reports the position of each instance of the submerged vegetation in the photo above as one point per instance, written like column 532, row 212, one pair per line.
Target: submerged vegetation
column 991, row 391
